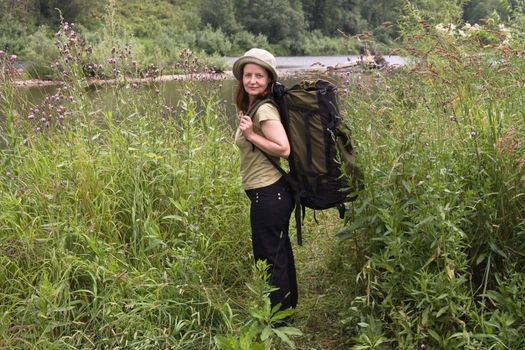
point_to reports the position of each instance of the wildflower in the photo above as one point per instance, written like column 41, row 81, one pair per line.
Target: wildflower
column 8, row 174
column 445, row 29
column 453, row 118
column 2, row 52
column 157, row 91
column 31, row 116
column 473, row 133
column 134, row 62
column 13, row 57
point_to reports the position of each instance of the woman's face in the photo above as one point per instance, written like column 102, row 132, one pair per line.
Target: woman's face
column 255, row 79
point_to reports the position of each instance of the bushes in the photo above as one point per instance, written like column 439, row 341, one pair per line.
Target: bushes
column 442, row 214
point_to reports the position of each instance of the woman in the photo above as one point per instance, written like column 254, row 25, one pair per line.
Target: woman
column 270, row 196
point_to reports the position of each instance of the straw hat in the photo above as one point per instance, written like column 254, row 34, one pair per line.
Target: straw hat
column 258, row 56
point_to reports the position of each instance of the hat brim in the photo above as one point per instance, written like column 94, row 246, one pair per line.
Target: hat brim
column 239, row 64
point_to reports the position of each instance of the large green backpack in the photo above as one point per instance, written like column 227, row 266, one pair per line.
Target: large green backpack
column 323, row 173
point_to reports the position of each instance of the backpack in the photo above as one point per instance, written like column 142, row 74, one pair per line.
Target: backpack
column 323, row 173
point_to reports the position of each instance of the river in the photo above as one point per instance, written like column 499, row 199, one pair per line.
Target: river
column 302, row 63
column 290, row 68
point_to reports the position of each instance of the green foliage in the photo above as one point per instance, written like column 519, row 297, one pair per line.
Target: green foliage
column 277, row 22
column 40, row 50
column 12, row 34
column 317, row 44
column 442, row 215
column 220, row 15
column 160, row 29
column 265, row 327
column 112, row 235
column 212, row 41
column 244, row 39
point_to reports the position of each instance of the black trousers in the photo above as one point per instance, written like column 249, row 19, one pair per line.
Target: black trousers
column 270, row 211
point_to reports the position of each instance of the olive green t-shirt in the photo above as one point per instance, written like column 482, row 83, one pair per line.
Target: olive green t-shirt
column 256, row 169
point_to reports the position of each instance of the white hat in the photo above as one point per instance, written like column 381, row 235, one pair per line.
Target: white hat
column 260, row 57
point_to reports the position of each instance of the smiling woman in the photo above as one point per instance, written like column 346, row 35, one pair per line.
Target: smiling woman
column 270, row 195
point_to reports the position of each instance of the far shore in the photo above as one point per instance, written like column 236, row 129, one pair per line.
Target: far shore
column 226, row 75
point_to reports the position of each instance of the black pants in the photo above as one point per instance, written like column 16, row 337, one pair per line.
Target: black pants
column 270, row 211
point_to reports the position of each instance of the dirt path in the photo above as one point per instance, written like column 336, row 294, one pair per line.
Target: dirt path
column 322, row 263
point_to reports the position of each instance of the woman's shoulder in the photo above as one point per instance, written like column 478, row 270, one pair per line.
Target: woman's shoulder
column 267, row 111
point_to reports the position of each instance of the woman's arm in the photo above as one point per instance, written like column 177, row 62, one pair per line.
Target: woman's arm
column 274, row 142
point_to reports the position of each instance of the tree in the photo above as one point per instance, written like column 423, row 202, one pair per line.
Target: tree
column 51, row 11
column 380, row 11
column 330, row 15
column 276, row 19
column 476, row 10
column 220, row 15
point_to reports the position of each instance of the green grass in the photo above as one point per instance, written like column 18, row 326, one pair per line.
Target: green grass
column 123, row 224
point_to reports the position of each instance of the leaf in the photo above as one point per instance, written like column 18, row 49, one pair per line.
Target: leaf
column 173, row 217
column 284, row 338
column 267, row 331
column 434, row 335
column 450, row 271
column 442, row 311
column 153, row 155
column 291, row 331
column 282, row 314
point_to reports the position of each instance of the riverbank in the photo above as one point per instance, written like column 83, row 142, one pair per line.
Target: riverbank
column 290, row 68
column 227, row 75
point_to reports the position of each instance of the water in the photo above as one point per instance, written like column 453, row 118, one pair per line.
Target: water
column 301, row 63
column 290, row 68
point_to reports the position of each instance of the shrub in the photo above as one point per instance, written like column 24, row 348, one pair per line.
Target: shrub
column 213, row 41
column 442, row 215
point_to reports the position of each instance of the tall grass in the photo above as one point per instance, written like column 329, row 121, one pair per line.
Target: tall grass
column 122, row 221
column 441, row 220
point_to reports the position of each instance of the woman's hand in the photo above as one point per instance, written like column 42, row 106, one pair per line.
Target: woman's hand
column 246, row 126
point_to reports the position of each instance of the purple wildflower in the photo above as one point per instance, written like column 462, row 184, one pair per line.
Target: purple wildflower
column 2, row 52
